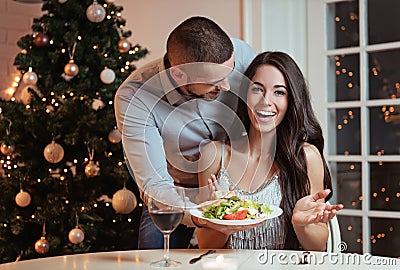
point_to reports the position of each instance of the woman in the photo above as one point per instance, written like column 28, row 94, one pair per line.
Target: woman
column 279, row 162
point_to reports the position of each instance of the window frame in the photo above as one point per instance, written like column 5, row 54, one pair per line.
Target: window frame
column 317, row 61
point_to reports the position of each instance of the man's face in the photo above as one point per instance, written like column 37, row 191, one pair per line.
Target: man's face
column 205, row 80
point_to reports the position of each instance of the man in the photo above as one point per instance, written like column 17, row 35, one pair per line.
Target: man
column 167, row 108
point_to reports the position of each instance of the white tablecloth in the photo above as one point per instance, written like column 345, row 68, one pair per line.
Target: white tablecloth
column 247, row 259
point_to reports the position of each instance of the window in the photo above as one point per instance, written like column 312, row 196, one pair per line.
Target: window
column 361, row 108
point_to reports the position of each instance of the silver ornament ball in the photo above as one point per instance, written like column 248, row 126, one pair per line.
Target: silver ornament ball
column 107, row 76
column 30, row 77
column 76, row 236
column 95, row 12
column 53, row 152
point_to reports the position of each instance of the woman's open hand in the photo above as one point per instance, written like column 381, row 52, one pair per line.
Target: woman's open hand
column 311, row 209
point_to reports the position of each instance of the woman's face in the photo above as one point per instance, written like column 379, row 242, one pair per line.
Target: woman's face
column 267, row 98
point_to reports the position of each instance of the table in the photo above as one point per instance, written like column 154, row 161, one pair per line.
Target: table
column 254, row 260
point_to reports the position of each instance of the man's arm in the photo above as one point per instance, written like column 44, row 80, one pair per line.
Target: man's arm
column 141, row 137
column 141, row 140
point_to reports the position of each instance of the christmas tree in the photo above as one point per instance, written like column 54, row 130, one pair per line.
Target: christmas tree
column 64, row 184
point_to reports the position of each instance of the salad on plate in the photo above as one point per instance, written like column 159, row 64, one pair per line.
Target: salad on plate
column 234, row 208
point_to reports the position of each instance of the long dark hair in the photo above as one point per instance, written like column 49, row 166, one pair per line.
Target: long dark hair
column 299, row 126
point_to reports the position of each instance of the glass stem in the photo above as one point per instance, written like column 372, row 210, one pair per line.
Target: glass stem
column 166, row 247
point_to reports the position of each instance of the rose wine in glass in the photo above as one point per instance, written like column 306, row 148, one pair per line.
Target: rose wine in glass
column 166, row 209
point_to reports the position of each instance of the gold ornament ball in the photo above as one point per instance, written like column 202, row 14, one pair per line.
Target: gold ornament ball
column 91, row 169
column 114, row 136
column 71, row 69
column 23, row 198
column 7, row 149
column 76, row 236
column 124, row 45
column 124, row 201
column 42, row 246
column 53, row 152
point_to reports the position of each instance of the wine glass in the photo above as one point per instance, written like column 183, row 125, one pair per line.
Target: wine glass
column 166, row 208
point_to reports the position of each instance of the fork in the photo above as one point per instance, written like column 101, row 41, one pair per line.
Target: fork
column 196, row 259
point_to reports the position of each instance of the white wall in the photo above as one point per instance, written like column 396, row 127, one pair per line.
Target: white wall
column 152, row 20
column 277, row 25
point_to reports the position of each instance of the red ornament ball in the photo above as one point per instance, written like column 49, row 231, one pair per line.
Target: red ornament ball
column 42, row 40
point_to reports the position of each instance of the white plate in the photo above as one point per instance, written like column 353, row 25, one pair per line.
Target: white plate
column 276, row 212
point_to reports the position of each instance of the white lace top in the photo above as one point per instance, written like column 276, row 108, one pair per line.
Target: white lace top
column 271, row 234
